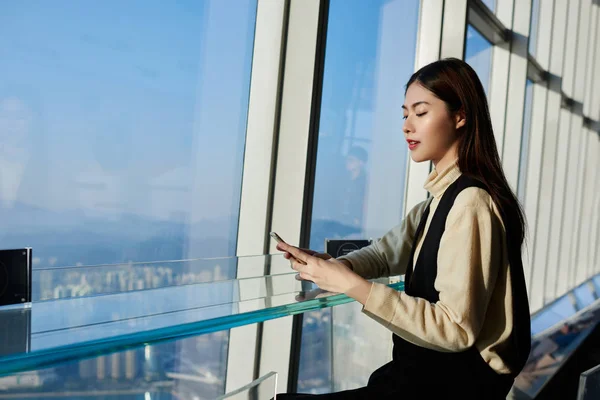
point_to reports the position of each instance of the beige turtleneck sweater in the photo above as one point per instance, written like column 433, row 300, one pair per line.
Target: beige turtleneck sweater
column 473, row 281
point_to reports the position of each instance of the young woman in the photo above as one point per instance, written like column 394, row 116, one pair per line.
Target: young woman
column 462, row 324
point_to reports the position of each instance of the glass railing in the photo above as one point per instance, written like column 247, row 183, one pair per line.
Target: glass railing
column 87, row 280
column 157, row 332
column 189, row 368
column 107, row 320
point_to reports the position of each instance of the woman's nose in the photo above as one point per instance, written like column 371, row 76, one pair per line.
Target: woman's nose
column 407, row 127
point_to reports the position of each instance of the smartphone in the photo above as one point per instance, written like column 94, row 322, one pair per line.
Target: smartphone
column 278, row 239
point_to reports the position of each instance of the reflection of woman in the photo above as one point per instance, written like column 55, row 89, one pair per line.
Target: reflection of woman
column 463, row 320
column 352, row 206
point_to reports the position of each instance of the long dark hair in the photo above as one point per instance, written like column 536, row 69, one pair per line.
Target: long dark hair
column 456, row 83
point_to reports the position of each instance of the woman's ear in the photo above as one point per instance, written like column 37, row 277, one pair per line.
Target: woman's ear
column 460, row 119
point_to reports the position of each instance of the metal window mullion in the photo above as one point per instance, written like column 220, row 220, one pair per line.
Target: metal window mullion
column 292, row 155
column 594, row 112
column 490, row 25
column 537, row 145
column 590, row 192
column 558, row 202
column 570, row 206
column 593, row 188
column 595, row 244
column 594, row 237
column 570, row 226
column 428, row 50
column 535, row 72
column 516, row 92
column 255, row 205
column 583, row 52
column 570, row 58
column 499, row 84
column 542, row 267
column 545, row 28
column 454, row 28
column 590, row 74
column 564, row 213
column 583, row 173
column 579, row 253
column 534, row 174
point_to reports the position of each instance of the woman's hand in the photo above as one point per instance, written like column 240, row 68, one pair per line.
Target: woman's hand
column 328, row 273
column 288, row 256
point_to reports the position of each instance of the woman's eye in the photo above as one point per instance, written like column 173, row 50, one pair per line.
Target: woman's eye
column 423, row 113
column 404, row 116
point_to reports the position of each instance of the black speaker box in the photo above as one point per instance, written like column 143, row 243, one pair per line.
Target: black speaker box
column 341, row 247
column 15, row 276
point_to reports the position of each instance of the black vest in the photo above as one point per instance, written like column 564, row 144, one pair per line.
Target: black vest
column 465, row 368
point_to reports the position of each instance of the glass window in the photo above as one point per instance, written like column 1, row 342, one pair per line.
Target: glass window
column 123, row 128
column 122, row 132
column 491, row 4
column 533, row 28
column 362, row 155
column 478, row 54
column 525, row 141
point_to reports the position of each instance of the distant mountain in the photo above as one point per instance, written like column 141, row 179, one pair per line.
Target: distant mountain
column 71, row 237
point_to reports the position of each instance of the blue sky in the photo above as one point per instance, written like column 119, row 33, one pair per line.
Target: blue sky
column 478, row 53
column 128, row 98
column 117, row 108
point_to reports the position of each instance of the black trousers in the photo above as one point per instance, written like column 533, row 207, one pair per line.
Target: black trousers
column 397, row 380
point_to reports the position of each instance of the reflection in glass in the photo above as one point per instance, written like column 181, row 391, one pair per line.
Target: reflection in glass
column 584, row 295
column 524, row 159
column 550, row 350
column 478, row 54
column 362, row 155
column 557, row 331
column 552, row 314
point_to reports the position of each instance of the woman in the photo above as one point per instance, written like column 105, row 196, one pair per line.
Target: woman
column 462, row 324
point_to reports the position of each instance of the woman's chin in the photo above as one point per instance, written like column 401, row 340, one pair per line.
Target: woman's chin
column 417, row 158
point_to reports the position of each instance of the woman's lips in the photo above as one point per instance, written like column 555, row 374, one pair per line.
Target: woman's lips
column 412, row 144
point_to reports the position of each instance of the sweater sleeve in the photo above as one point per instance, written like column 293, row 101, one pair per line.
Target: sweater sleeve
column 389, row 255
column 468, row 263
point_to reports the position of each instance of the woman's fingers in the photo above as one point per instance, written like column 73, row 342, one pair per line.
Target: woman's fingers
column 288, row 256
column 298, row 254
column 307, row 251
column 300, row 278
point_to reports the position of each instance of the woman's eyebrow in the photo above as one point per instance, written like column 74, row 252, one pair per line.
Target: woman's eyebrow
column 415, row 104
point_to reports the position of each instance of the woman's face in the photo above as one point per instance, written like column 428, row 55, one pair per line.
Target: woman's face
column 429, row 128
